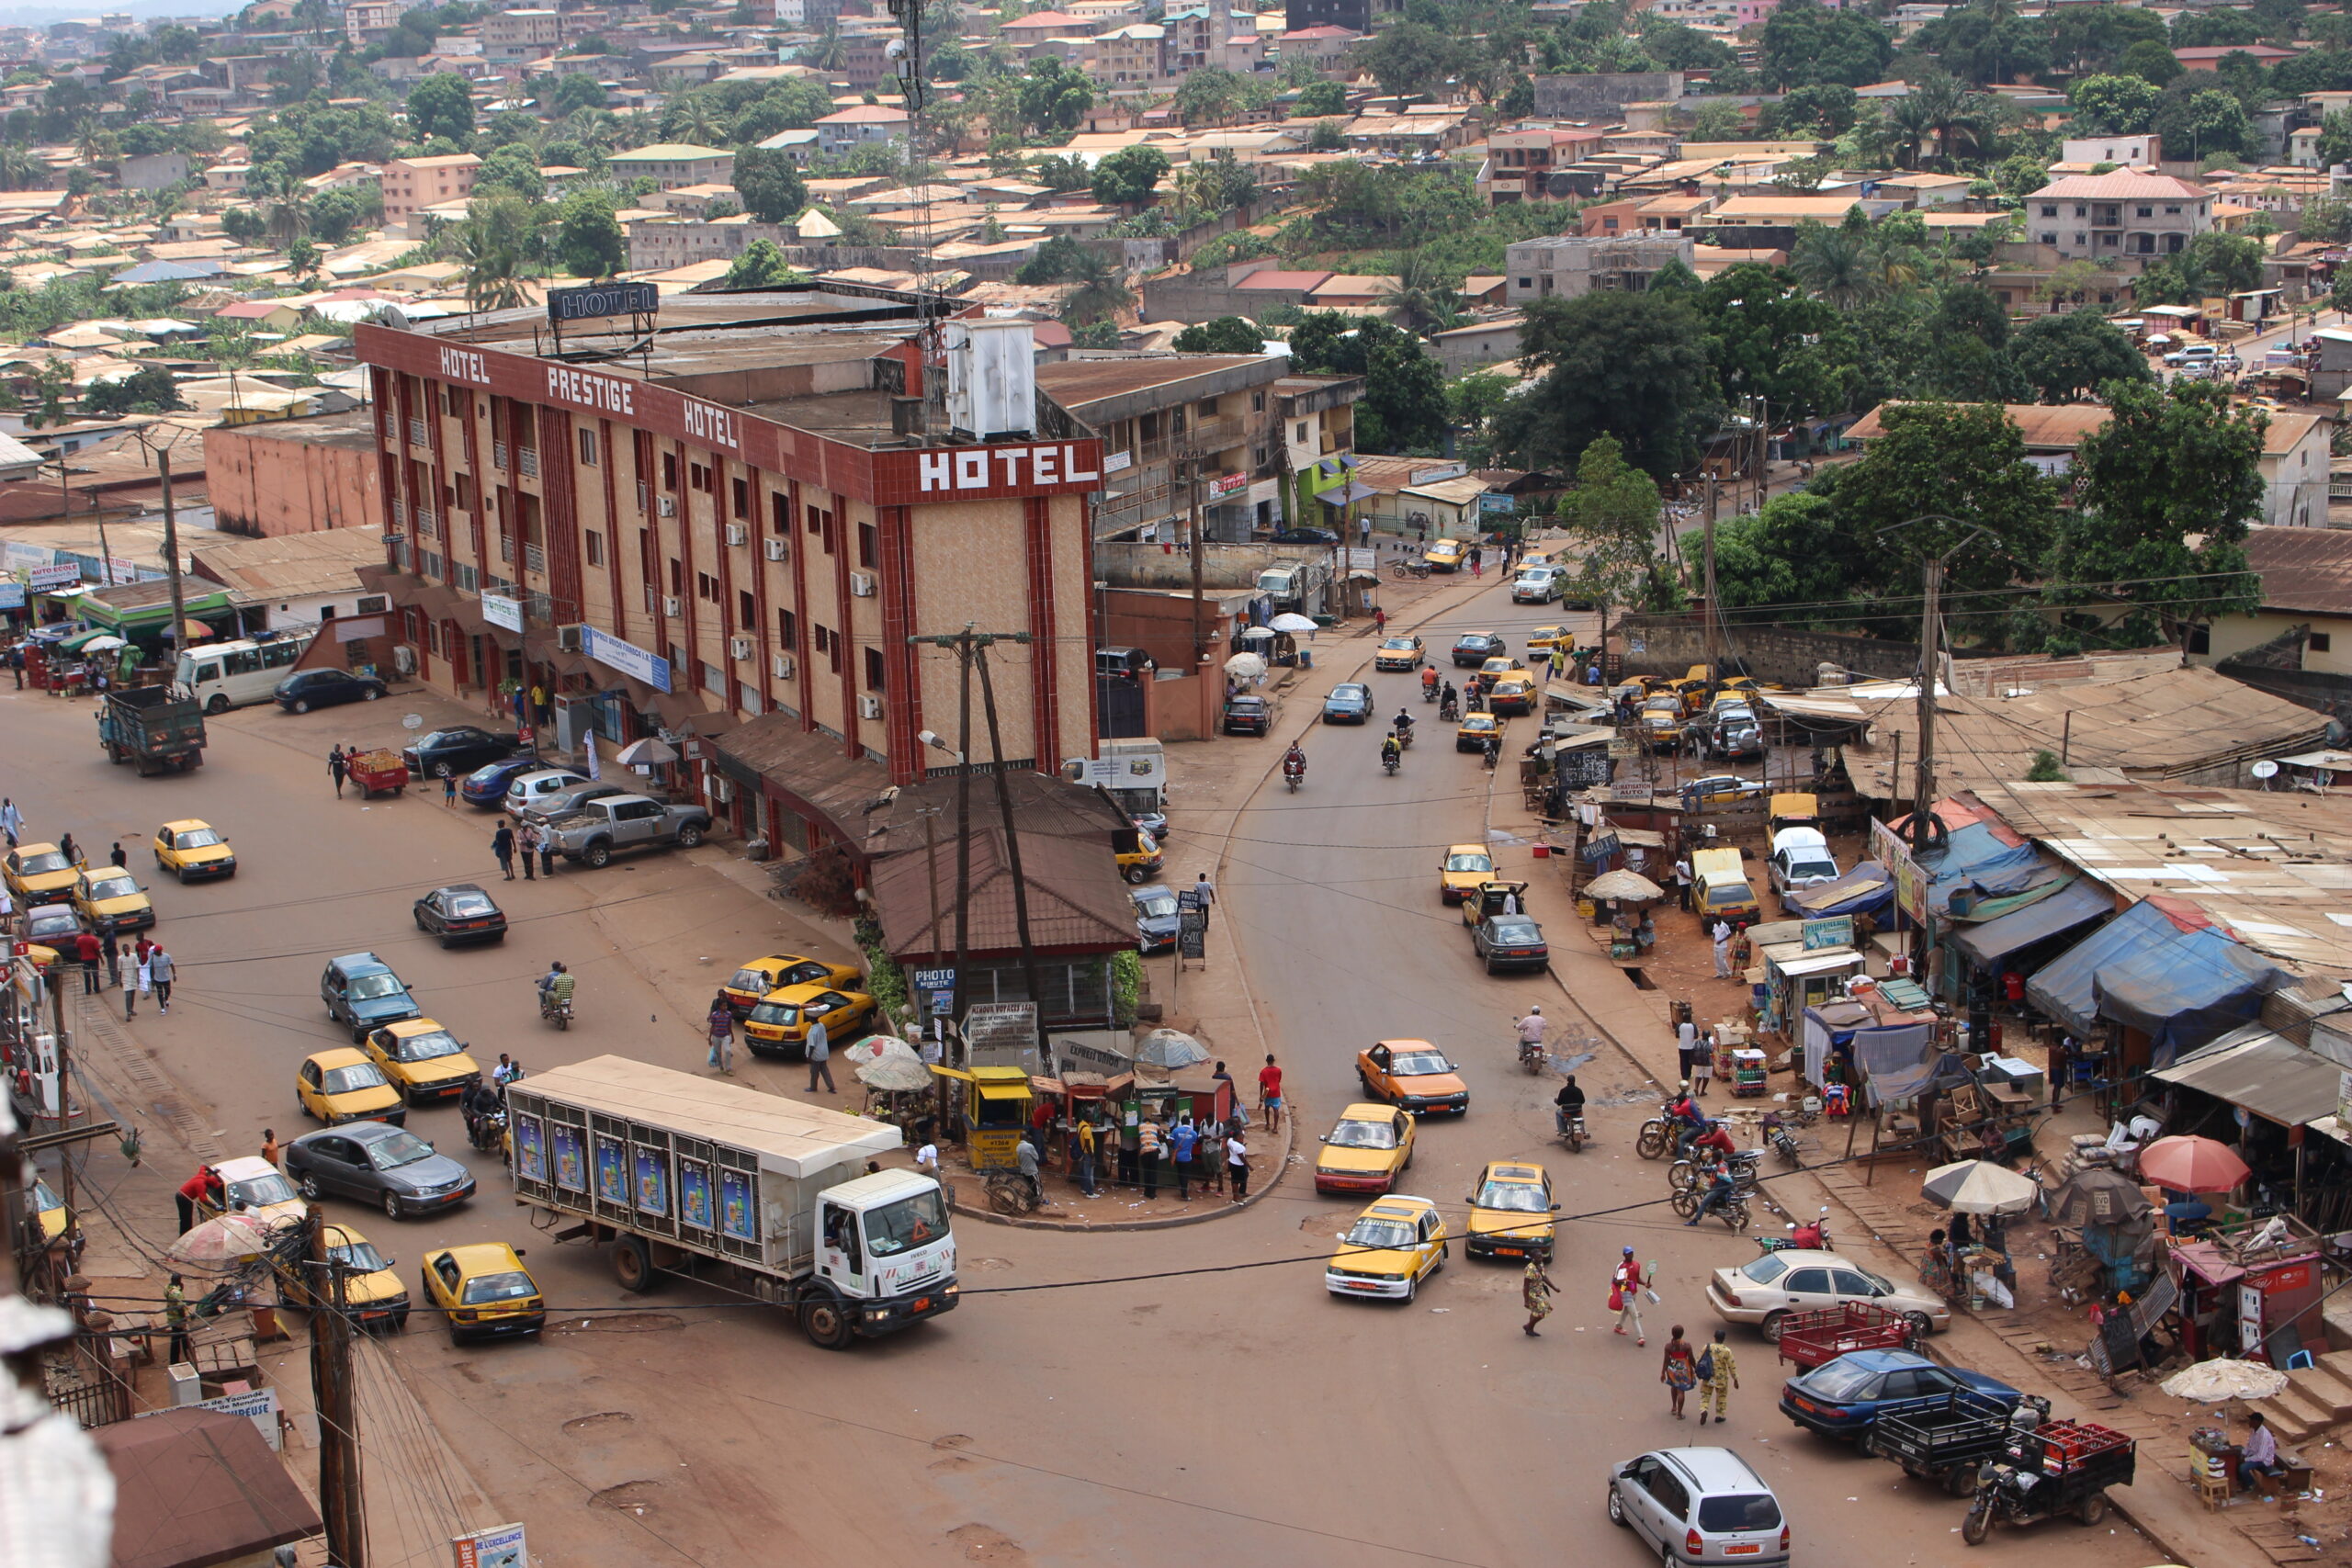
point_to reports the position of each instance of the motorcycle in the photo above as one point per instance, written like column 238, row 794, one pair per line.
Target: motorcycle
column 1404, row 739
column 1449, row 710
column 488, row 1134
column 1732, row 1211
column 553, row 1011
column 1531, row 1056
column 1783, row 1142
column 1569, row 1129
column 1494, row 755
column 1811, row 1238
column 1685, row 1173
column 1429, row 690
column 1294, row 777
column 1405, row 569
column 1656, row 1137
column 1388, row 760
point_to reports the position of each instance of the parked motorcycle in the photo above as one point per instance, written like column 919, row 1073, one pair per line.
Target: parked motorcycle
column 1810, row 1237
column 1783, row 1142
column 1403, row 568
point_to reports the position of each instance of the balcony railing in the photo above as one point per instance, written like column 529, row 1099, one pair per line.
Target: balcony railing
column 498, row 454
column 428, row 521
column 528, row 461
column 399, row 512
column 534, row 559
column 416, row 433
column 505, row 548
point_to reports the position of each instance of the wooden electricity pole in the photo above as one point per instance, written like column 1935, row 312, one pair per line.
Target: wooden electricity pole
column 341, row 1501
column 1012, row 835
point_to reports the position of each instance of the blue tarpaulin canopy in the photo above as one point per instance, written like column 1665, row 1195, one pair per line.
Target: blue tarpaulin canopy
column 2079, row 903
column 1980, row 859
column 2189, row 991
column 2061, row 989
column 1865, row 890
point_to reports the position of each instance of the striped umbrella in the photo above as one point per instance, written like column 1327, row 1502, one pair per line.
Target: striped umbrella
column 1978, row 1187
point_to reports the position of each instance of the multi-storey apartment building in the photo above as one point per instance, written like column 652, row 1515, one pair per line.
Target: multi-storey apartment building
column 2111, row 217
column 511, row 38
column 731, row 540
column 413, row 184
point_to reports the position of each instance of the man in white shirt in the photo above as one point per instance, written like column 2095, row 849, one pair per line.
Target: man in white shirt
column 927, row 1158
column 2260, row 1455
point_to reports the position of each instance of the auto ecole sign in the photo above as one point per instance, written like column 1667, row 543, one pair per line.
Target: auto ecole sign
column 896, row 476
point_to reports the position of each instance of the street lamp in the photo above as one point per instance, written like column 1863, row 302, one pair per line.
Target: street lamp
column 930, row 738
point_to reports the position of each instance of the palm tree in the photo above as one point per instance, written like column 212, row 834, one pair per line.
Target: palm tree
column 89, row 139
column 290, row 210
column 829, row 52
column 1422, row 294
column 1908, row 123
column 19, row 170
column 698, row 120
column 1835, row 264
column 499, row 245
column 1102, row 291
column 1950, row 111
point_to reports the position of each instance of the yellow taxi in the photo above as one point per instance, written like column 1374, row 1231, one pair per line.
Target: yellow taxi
column 484, row 1290
column 783, row 1017
column 40, row 874
column 423, row 1060
column 758, row 976
column 1465, row 866
column 1477, row 730
column 193, row 851
column 1446, row 555
column 109, row 899
column 1510, row 1211
column 342, row 1085
column 1512, row 693
column 1414, row 1075
column 1560, row 639
column 1399, row 653
column 372, row 1293
column 1504, row 668
column 1391, row 1247
column 1367, row 1150
column 55, row 1218
column 1138, row 865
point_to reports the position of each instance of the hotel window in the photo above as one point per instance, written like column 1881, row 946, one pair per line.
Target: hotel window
column 869, row 547
column 787, row 631
column 668, row 471
column 874, row 671
column 779, row 513
column 588, row 448
column 747, row 613
column 706, row 587
column 595, row 546
column 677, row 578
column 742, row 498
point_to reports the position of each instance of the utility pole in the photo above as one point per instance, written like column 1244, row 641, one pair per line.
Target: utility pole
column 1924, row 793
column 341, row 1503
column 1200, row 621
column 64, row 1078
column 1012, row 840
column 171, row 543
column 1714, row 622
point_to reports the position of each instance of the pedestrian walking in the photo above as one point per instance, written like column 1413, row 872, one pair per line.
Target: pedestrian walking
column 269, row 1144
column 1150, row 1139
column 176, row 1320
column 1535, row 1290
column 526, row 847
column 11, row 820
column 1678, row 1371
column 1182, row 1142
column 1379, row 621
column 448, row 789
column 87, row 948
column 70, row 849
column 1722, row 935
column 1237, row 1164
column 1682, row 883
column 1270, row 1094
column 339, row 766
column 820, row 1057
column 546, row 849
column 143, row 983
column 160, row 971
column 1625, row 1288
column 1081, row 1139
column 502, row 844
column 721, row 1025
column 114, row 962
column 1686, row 1046
column 1203, row 889
column 1476, row 569
column 1703, row 1064
column 1718, row 1375
column 117, row 858
column 541, row 709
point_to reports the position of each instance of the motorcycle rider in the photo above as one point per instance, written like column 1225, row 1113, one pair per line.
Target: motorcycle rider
column 1684, row 1114
column 1493, row 749
column 1294, row 762
column 1404, row 726
column 1429, row 682
column 1567, row 1106
column 555, row 990
column 1391, row 754
column 480, row 1101
column 1532, row 1030
column 1720, row 1192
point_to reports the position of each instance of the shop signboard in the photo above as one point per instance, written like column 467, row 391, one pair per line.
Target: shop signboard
column 1910, row 886
column 500, row 1547
column 1837, row 931
column 626, row 657
column 1001, row 1034
column 501, row 611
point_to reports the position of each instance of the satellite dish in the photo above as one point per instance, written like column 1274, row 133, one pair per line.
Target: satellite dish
column 2266, row 769
column 412, row 721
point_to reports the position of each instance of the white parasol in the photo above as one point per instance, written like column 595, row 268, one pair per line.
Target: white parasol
column 880, row 1047
column 106, row 643
column 1292, row 621
column 1978, row 1187
column 1245, row 666
column 646, row 752
column 221, row 1242
column 1168, row 1049
column 2211, row 1382
column 895, row 1074
column 1254, row 633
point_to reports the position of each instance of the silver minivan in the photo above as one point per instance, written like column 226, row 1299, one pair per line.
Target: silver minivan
column 528, row 787
column 1699, row 1505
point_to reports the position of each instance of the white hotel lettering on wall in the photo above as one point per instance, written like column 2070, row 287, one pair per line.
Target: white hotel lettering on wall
column 605, row 394
column 708, row 423
column 465, row 365
column 968, row 468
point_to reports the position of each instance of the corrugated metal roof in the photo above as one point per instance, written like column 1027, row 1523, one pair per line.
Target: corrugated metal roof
column 2307, row 569
column 1077, row 903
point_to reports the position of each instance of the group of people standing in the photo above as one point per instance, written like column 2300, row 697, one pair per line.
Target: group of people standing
column 530, row 840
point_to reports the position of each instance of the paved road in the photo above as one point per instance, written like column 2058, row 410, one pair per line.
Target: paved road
column 1219, row 1407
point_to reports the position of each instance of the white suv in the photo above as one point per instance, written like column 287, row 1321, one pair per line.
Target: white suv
column 1698, row 1507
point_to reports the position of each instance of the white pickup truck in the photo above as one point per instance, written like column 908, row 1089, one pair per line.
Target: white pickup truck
column 601, row 828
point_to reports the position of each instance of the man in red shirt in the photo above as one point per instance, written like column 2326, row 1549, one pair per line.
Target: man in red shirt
column 87, row 948
column 204, row 1186
column 1270, row 1094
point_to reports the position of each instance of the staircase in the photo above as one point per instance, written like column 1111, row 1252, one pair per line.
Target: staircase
column 2314, row 1401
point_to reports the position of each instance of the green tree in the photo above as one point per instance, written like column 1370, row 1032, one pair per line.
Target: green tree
column 2165, row 491
column 1718, row 122
column 1827, row 109
column 1612, row 518
column 498, row 246
column 1404, row 405
column 1127, row 176
column 246, row 225
column 441, row 105
column 2066, row 356
column 2153, row 61
column 1327, row 137
column 336, row 215
column 1052, row 97
column 2112, row 106
column 588, row 235
column 1631, row 365
column 2213, row 29
column 1226, row 335
column 1061, row 171
column 2199, row 121
column 579, row 90
column 2088, row 39
column 1792, row 553
column 1320, row 100
column 770, row 184
column 1207, row 94
column 302, row 257
column 1059, row 260
column 1805, row 42
column 761, row 265
column 151, row 390
column 1760, row 326
column 1409, row 58
column 513, row 167
column 52, row 390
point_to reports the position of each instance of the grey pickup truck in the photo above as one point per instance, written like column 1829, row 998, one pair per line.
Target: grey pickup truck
column 603, row 828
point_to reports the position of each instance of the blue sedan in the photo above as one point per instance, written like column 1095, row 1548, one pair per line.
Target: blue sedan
column 1841, row 1397
column 1350, row 703
column 486, row 785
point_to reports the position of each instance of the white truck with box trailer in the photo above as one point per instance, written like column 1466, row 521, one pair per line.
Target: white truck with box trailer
column 748, row 1192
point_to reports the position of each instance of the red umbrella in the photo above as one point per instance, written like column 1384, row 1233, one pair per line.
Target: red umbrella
column 2192, row 1164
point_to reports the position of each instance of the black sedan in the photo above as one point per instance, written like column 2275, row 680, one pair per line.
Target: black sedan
column 460, row 912
column 1509, row 942
column 1474, row 648
column 308, row 688
column 388, row 1167
column 1307, row 536
column 459, row 750
column 1249, row 716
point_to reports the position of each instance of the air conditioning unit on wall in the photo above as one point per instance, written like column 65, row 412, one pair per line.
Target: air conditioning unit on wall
column 670, row 606
column 666, row 506
column 735, row 534
column 870, row 707
column 722, row 790
column 740, row 646
column 861, row 584
column 781, row 666
column 776, row 549
column 567, row 638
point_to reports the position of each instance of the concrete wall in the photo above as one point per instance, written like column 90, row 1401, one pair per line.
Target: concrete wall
column 265, row 480
column 1601, row 95
column 2321, row 690
column 1661, row 645
column 1223, row 567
